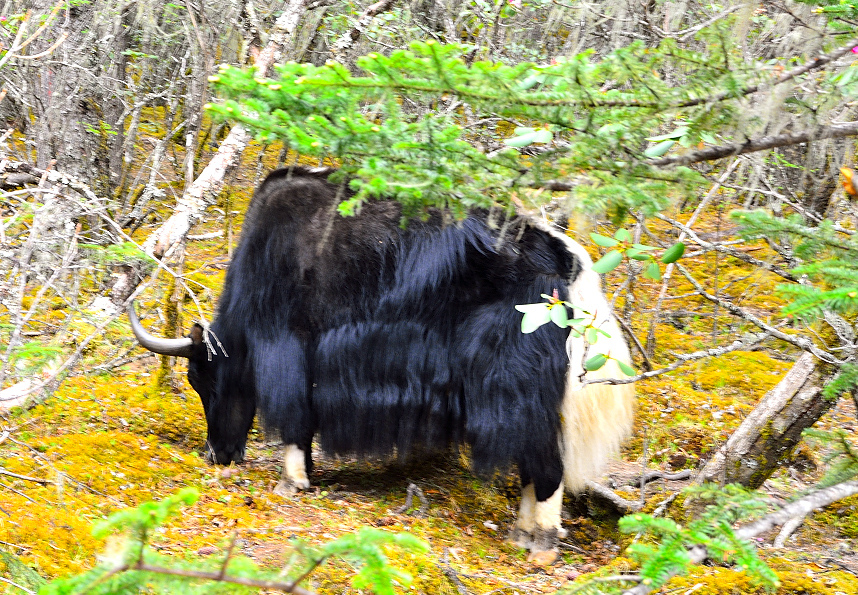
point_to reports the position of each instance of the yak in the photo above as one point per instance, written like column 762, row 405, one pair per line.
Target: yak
column 375, row 338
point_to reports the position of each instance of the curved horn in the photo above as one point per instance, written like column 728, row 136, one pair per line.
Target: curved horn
column 178, row 347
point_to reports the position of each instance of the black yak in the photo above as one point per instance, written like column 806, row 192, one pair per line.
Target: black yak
column 378, row 338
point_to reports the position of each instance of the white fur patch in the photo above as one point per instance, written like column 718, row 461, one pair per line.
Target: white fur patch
column 547, row 513
column 294, row 469
column 526, row 519
column 596, row 418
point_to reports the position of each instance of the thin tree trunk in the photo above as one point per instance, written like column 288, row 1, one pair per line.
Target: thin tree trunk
column 210, row 181
column 768, row 435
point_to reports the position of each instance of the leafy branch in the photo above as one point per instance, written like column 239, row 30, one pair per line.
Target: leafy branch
column 135, row 565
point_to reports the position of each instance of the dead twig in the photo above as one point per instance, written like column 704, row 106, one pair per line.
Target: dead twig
column 451, row 574
column 25, row 477
column 409, row 500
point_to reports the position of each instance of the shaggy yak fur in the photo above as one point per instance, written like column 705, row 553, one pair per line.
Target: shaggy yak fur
column 379, row 339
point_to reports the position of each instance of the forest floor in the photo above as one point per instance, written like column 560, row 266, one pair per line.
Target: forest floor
column 113, row 439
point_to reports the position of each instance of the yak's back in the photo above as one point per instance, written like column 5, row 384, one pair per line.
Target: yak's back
column 299, row 259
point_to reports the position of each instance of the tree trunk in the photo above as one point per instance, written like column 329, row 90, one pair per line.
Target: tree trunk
column 768, row 435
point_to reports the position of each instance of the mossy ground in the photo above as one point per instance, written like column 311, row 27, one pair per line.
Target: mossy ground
column 111, row 440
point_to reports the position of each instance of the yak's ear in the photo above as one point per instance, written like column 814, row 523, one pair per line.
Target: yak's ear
column 196, row 334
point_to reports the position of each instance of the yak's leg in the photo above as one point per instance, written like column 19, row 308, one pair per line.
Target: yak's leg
column 547, row 529
column 538, row 525
column 296, row 466
column 522, row 532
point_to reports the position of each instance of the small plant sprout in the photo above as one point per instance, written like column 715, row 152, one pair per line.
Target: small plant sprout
column 622, row 245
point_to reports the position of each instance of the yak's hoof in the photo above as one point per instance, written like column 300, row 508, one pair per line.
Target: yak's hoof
column 543, row 558
column 543, row 546
column 542, row 543
column 520, row 537
column 290, row 487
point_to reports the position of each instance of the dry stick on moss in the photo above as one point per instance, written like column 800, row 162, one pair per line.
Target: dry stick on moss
column 409, row 499
column 25, row 477
column 651, row 476
column 788, row 529
column 17, row 586
column 623, row 505
column 37, row 455
column 802, row 506
column 668, row 272
column 451, row 574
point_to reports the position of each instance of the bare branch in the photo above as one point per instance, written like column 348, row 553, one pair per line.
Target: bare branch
column 759, row 144
column 347, row 39
column 728, row 251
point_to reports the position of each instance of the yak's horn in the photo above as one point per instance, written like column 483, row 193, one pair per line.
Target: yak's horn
column 177, row 347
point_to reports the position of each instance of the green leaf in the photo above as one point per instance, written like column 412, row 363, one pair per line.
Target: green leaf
column 608, row 262
column 624, row 235
column 708, row 138
column 626, row 369
column 638, row 254
column 559, row 316
column 659, row 149
column 595, row 362
column 678, row 133
column 643, row 247
column 535, row 315
column 653, row 272
column 673, row 253
column 591, row 335
column 523, row 140
column 603, row 241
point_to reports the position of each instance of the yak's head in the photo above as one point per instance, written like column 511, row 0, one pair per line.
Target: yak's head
column 228, row 402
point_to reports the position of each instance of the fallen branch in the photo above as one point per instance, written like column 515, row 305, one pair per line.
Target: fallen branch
column 623, row 505
column 451, row 574
column 654, row 475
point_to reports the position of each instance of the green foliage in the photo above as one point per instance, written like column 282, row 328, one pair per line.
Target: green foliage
column 362, row 121
column 842, row 458
column 555, row 310
column 133, row 567
column 126, row 253
column 835, row 9
column 712, row 529
column 31, row 357
column 622, row 246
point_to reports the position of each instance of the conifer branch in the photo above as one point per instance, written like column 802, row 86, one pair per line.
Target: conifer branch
column 802, row 506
